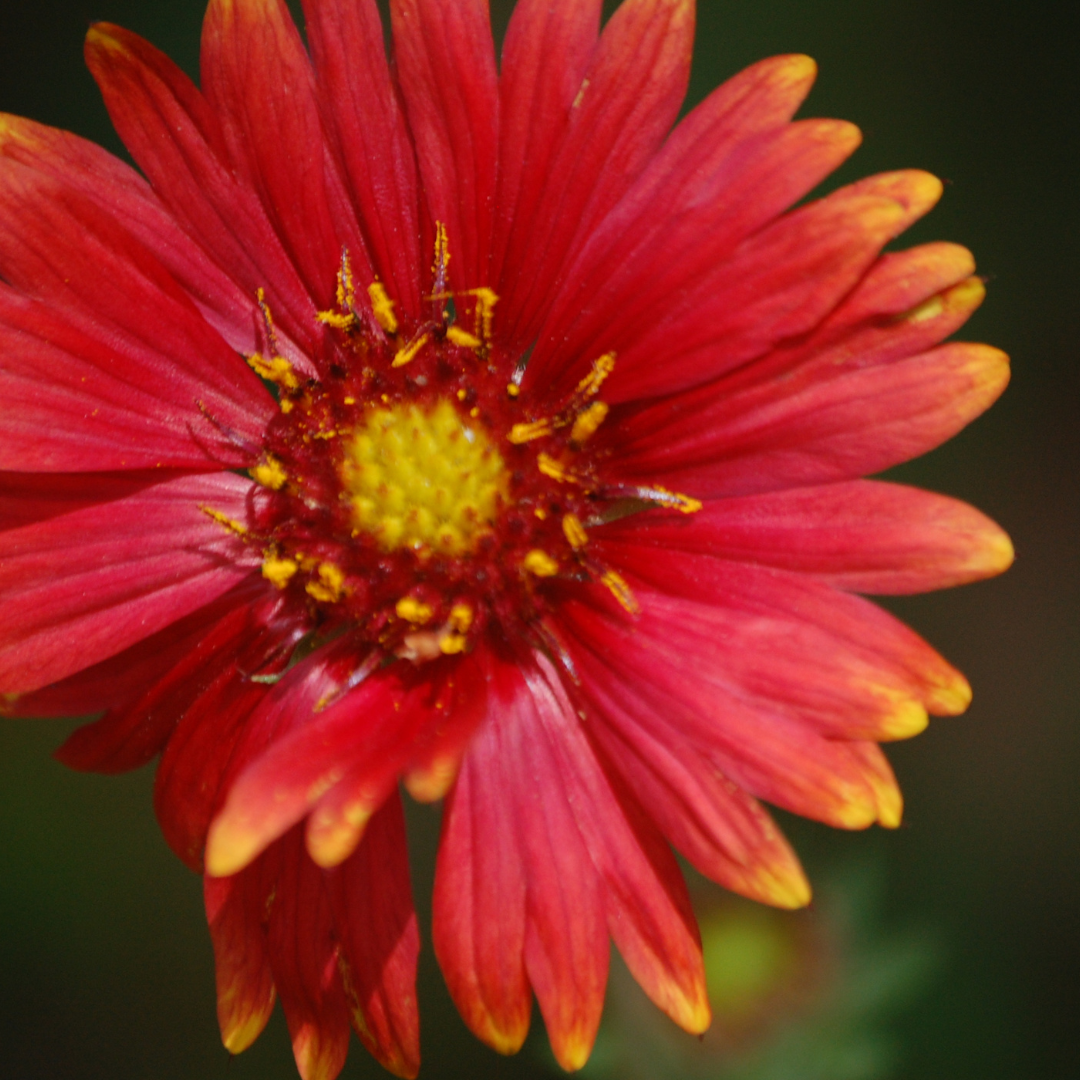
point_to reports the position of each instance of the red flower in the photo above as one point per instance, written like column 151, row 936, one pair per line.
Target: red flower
column 554, row 510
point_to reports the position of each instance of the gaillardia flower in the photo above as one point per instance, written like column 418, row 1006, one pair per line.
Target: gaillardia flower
column 473, row 428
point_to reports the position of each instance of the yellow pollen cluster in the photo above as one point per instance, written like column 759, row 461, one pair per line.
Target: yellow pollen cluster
column 424, row 479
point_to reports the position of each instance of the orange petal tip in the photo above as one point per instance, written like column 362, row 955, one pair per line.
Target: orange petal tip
column 905, row 719
column 994, row 556
column 950, row 697
column 329, row 845
column 784, row 886
column 431, row 782
column 238, row 1034
column 572, row 1051
column 230, row 848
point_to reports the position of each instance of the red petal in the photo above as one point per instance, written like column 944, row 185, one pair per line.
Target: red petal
column 862, row 535
column 175, row 138
column 124, row 677
column 257, row 78
column 858, row 422
column 726, row 171
column 732, row 436
column 373, row 912
column 720, row 829
column 566, row 946
column 117, row 188
column 427, row 736
column 778, row 284
column 879, row 672
column 648, row 908
column 133, row 731
column 478, row 923
column 628, row 100
column 239, row 833
column 236, row 909
column 366, row 124
column 304, row 954
column 684, row 684
column 446, row 63
column 78, row 320
column 88, row 584
column 545, row 55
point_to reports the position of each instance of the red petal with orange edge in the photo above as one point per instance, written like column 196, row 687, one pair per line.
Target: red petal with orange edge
column 774, row 622
column 258, row 79
column 478, row 907
column 545, row 55
column 566, row 936
column 86, row 585
column 719, row 828
column 240, row 832
column 176, row 140
column 727, row 170
column 446, row 64
column 778, row 284
column 837, row 426
column 648, row 908
column 629, row 98
column 304, row 956
column 423, row 734
column 366, row 126
column 236, row 909
column 862, row 535
column 372, row 905
column 906, row 303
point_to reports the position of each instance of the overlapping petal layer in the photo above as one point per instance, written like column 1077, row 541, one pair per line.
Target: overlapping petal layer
column 713, row 371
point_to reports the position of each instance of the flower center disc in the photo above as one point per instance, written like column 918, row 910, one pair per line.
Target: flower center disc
column 424, row 479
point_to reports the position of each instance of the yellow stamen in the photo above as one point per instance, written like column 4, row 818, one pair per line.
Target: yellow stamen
column 621, row 591
column 673, row 499
column 346, row 287
column 412, row 610
column 586, row 424
column 461, row 618
column 279, row 572
column 221, row 519
column 328, row 588
column 601, row 369
column 336, row 319
column 523, row 433
column 276, row 369
column 270, row 473
column 550, row 467
column 574, row 531
column 486, row 300
column 409, row 352
column 383, row 307
column 540, row 563
column 513, row 389
column 456, row 336
column 442, row 251
column 452, row 644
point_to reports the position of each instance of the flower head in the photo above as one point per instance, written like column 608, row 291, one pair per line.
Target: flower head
column 471, row 428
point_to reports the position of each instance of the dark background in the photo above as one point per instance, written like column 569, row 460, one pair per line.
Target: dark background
column 105, row 964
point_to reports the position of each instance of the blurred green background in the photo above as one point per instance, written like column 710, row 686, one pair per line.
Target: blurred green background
column 105, row 964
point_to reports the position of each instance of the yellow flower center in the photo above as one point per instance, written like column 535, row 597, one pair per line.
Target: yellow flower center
column 423, row 478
